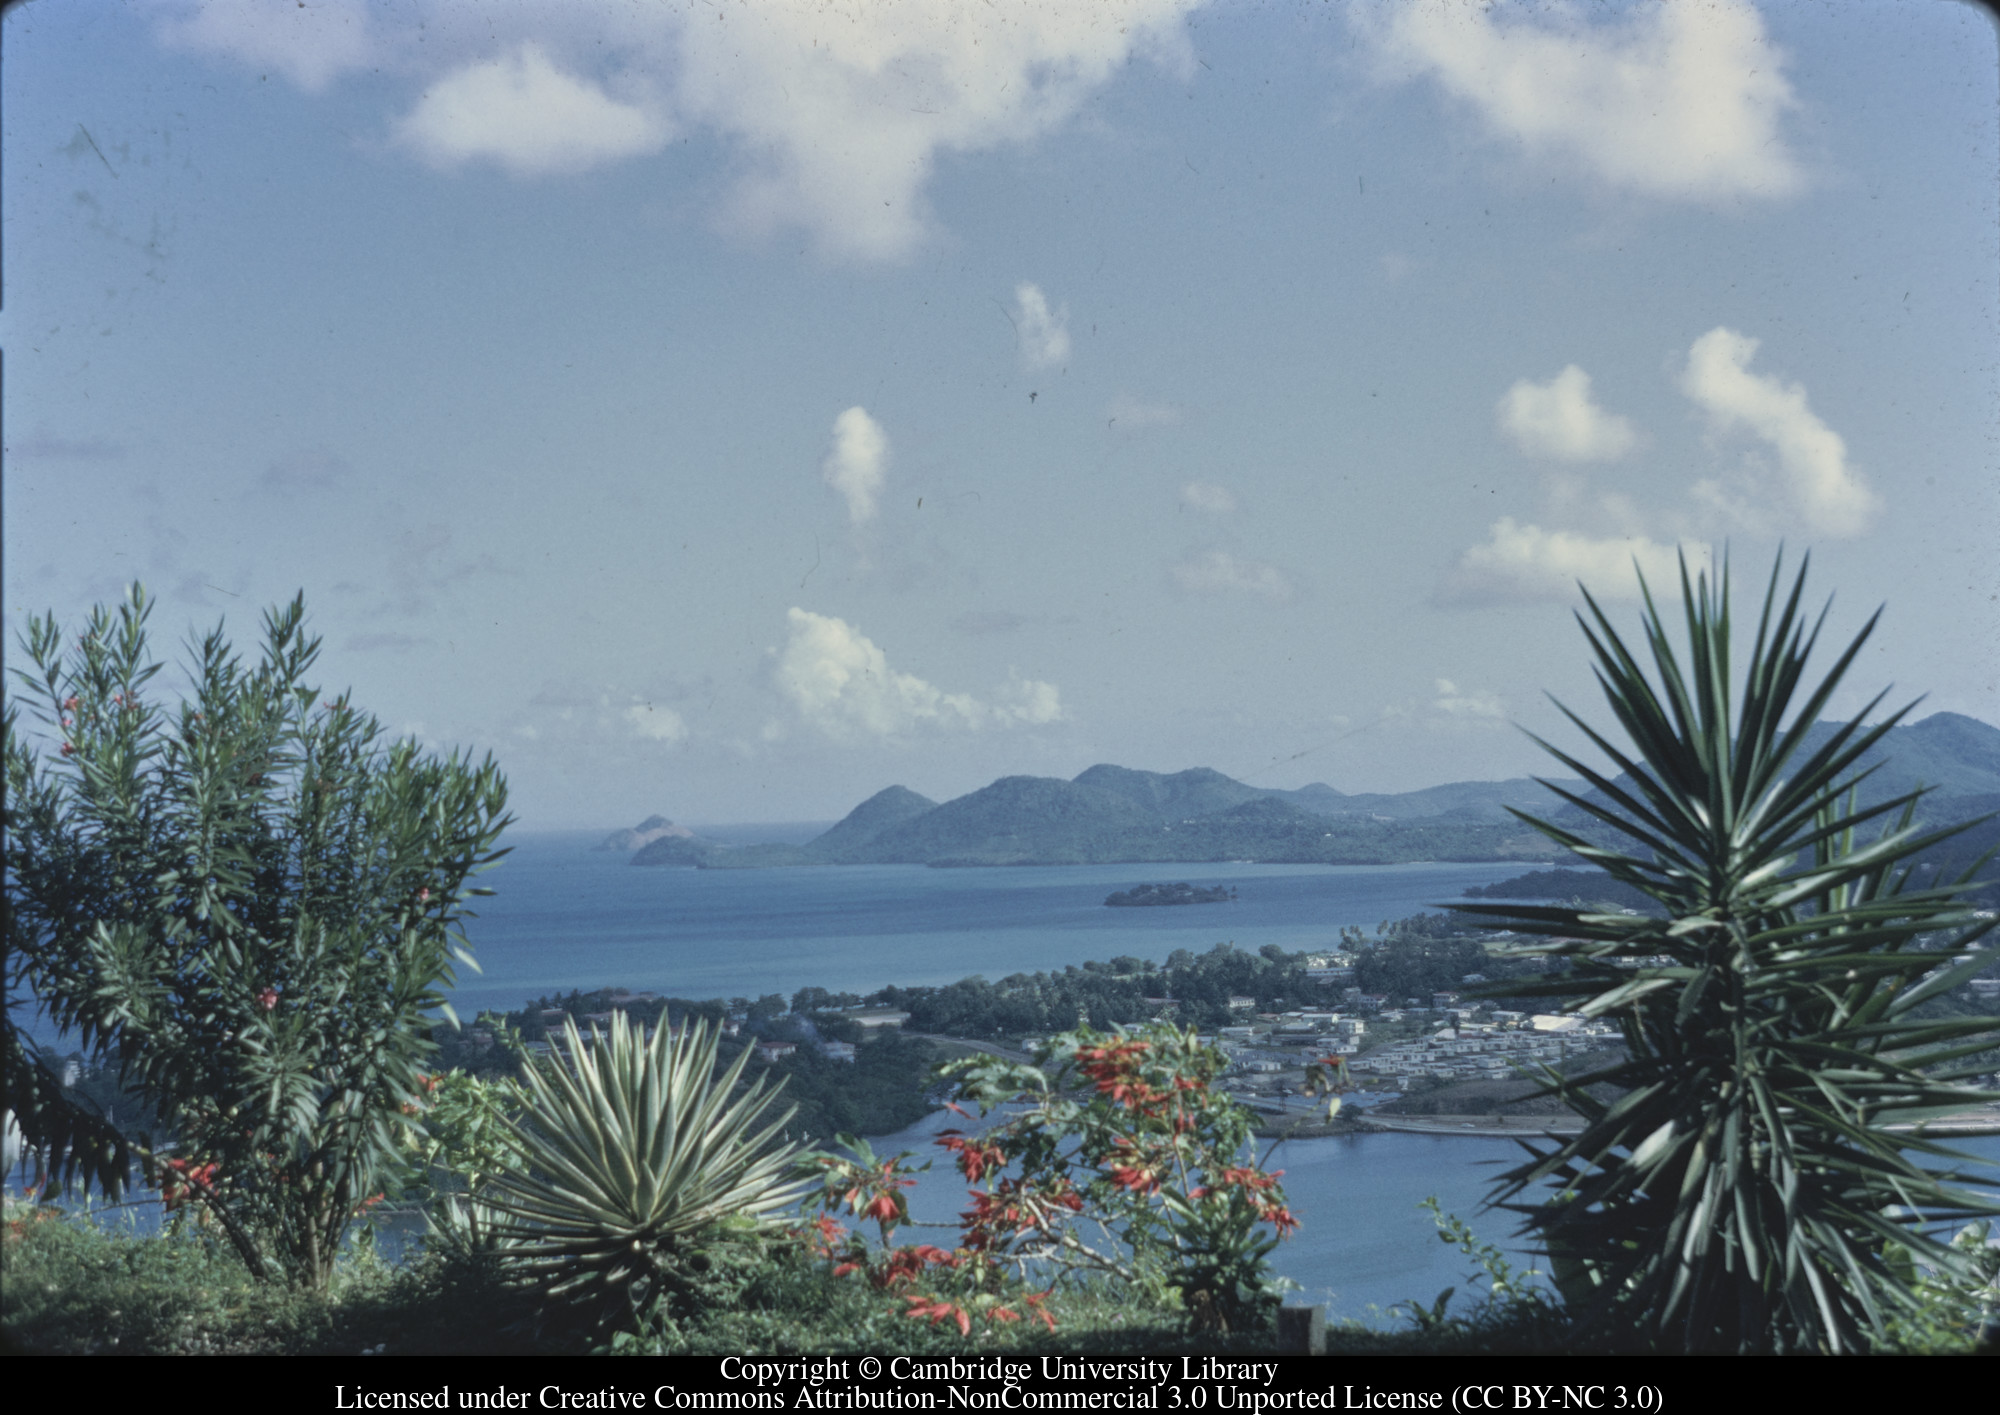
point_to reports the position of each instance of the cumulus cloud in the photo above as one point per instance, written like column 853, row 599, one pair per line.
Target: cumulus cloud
column 855, row 466
column 1523, row 562
column 1558, row 419
column 1678, row 100
column 840, row 682
column 656, row 723
column 1826, row 494
column 1469, row 705
column 312, row 45
column 1207, row 496
column 1044, row 333
column 848, row 108
column 1219, row 572
column 835, row 115
column 530, row 117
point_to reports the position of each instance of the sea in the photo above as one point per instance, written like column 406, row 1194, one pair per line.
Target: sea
column 564, row 915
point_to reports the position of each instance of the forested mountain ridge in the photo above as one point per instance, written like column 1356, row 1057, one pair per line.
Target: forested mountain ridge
column 1114, row 814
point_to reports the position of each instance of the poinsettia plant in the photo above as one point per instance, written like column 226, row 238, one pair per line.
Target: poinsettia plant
column 1113, row 1155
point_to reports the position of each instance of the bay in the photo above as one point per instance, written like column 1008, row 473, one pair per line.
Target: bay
column 564, row 915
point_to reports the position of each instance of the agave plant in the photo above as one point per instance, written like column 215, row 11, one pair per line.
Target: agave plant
column 640, row 1165
column 1743, row 1192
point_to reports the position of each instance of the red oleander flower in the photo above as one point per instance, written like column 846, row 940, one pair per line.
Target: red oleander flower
column 70, row 703
column 424, row 894
column 68, row 749
column 268, row 999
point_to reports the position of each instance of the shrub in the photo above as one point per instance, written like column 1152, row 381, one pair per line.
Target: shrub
column 1742, row 1191
column 249, row 904
column 1122, row 1132
column 644, row 1176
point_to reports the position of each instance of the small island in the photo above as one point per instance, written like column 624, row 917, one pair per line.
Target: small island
column 1142, row 895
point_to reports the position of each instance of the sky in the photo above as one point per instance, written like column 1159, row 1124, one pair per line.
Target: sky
column 729, row 410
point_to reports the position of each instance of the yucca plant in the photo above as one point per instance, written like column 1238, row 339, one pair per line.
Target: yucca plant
column 641, row 1167
column 1744, row 1190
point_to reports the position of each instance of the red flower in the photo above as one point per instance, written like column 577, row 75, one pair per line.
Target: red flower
column 268, row 999
column 423, row 894
column 68, row 749
column 1035, row 1301
column 1281, row 1218
column 1139, row 1181
column 938, row 1311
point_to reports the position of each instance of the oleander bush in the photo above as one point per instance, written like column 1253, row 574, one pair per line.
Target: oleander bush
column 248, row 904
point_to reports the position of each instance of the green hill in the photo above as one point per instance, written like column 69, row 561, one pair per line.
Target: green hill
column 1114, row 814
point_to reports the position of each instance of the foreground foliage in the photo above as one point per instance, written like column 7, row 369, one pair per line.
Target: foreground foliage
column 1743, row 1193
column 644, row 1178
column 1114, row 1159
column 248, row 903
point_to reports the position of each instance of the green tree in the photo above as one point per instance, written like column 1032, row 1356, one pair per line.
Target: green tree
column 1743, row 1192
column 249, row 904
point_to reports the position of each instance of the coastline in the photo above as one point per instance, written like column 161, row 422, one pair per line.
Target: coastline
column 1983, row 1121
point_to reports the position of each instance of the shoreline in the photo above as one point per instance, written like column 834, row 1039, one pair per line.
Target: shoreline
column 1984, row 1121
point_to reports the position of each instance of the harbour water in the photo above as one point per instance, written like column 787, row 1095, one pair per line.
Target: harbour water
column 566, row 916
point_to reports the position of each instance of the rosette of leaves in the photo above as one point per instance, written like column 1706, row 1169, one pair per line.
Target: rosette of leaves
column 646, row 1176
column 1737, row 1186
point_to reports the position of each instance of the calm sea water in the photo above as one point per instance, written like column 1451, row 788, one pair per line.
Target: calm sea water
column 566, row 916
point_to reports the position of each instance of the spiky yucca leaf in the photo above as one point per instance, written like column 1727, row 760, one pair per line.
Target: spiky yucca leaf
column 1743, row 1193
column 639, row 1160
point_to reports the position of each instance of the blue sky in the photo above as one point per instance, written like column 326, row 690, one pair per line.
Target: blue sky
column 729, row 410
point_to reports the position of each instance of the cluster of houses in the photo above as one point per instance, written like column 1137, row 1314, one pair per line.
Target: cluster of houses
column 767, row 1049
column 1492, row 1050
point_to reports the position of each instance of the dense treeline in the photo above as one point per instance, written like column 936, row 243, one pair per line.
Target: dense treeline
column 1410, row 958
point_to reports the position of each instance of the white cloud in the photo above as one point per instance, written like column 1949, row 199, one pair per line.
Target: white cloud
column 1829, row 498
column 1044, row 334
column 1680, row 99
column 524, row 113
column 1520, row 562
column 311, row 45
column 1129, row 414
column 1219, row 572
column 1558, row 419
column 1471, row 705
column 836, row 115
column 1207, row 496
column 841, row 683
column 848, row 108
column 1027, row 702
column 855, row 466
column 656, row 723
